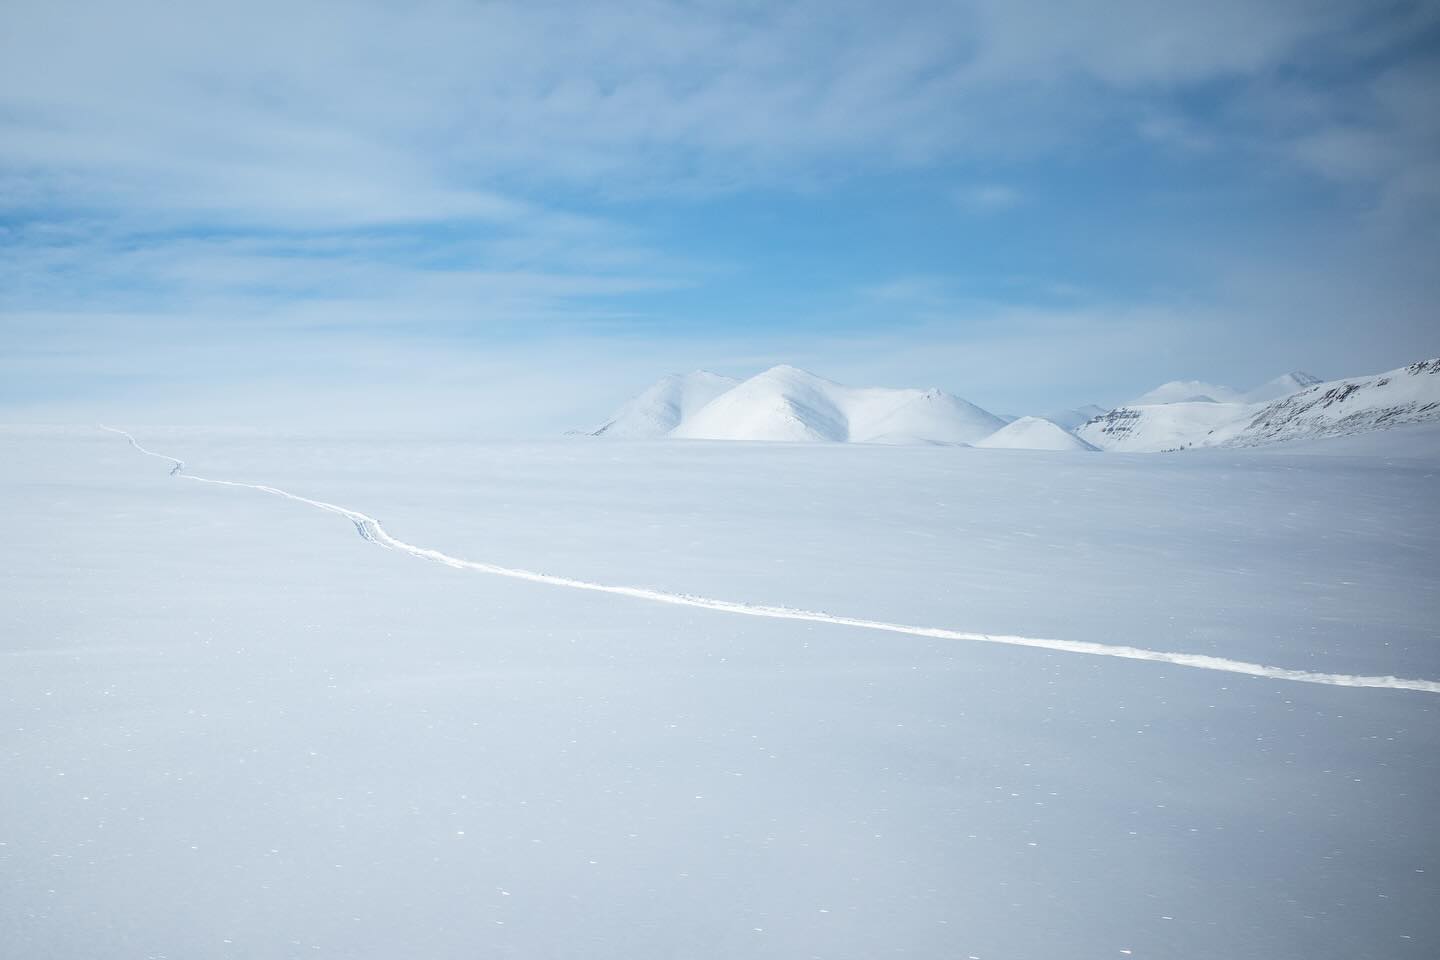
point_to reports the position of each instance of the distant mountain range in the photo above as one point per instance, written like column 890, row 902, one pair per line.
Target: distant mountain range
column 1196, row 391
column 785, row 403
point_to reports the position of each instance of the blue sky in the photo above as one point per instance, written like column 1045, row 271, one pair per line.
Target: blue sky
column 505, row 218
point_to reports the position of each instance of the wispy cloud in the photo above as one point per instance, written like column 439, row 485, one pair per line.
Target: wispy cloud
column 347, row 113
column 987, row 197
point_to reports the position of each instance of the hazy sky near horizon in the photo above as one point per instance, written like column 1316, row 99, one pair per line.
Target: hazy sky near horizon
column 506, row 217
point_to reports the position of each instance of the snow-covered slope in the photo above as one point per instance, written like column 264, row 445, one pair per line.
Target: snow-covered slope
column 786, row 403
column 659, row 409
column 1343, row 407
column 1336, row 408
column 1034, row 433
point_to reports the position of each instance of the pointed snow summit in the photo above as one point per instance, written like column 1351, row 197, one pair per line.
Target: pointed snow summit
column 789, row 404
column 1034, row 433
column 660, row 409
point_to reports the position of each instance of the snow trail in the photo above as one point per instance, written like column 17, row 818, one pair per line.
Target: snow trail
column 369, row 528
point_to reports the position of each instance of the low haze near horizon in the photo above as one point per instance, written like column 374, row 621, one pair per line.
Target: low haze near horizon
column 507, row 218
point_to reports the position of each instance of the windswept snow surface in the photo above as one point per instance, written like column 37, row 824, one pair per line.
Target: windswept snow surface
column 371, row 530
column 1034, row 433
column 786, row 403
column 228, row 727
column 656, row 412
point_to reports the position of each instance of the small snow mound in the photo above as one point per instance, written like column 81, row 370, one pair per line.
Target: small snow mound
column 1034, row 433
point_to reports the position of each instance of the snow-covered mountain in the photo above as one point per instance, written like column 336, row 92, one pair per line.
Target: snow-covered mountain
column 1034, row 433
column 786, row 403
column 1198, row 391
column 1341, row 407
column 1145, row 428
column 1336, row 408
column 660, row 408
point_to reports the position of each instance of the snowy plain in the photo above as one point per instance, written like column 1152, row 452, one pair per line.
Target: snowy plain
column 233, row 728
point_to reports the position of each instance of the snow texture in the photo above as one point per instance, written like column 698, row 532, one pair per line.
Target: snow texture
column 370, row 530
column 230, row 728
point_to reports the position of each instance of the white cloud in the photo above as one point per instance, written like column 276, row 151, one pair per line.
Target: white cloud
column 374, row 112
column 987, row 197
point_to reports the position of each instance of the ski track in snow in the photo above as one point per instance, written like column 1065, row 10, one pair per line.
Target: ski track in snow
column 369, row 528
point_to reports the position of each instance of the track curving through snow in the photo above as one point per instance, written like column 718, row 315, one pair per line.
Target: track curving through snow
column 369, row 528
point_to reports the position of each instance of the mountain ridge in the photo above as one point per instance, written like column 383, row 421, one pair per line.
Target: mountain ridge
column 1405, row 395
